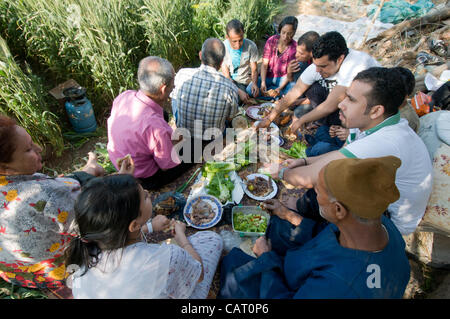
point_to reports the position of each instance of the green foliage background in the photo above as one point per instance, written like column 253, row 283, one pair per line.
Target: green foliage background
column 99, row 44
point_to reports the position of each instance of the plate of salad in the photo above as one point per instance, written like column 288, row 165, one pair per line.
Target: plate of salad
column 297, row 150
column 219, row 179
column 249, row 220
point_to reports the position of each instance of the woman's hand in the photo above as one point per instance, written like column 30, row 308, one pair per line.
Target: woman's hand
column 179, row 232
column 126, row 165
column 261, row 246
column 160, row 223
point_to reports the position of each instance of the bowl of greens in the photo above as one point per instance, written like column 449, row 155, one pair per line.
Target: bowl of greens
column 249, row 220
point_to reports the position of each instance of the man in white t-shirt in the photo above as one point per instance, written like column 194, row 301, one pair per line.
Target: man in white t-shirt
column 324, row 82
column 370, row 111
column 240, row 62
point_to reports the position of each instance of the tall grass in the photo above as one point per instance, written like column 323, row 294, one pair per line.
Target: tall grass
column 256, row 16
column 99, row 43
column 23, row 97
column 93, row 42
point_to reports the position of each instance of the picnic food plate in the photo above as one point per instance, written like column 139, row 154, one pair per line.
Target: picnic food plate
column 278, row 140
column 259, row 192
column 202, row 211
column 170, row 204
column 254, row 112
column 272, row 127
column 245, row 220
column 200, row 188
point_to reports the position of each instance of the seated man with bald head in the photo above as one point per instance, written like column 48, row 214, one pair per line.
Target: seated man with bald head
column 360, row 254
column 137, row 126
column 203, row 97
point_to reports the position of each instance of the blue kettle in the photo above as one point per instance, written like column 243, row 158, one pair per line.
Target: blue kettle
column 79, row 110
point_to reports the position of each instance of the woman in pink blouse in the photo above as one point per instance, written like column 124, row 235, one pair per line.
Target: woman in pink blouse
column 279, row 50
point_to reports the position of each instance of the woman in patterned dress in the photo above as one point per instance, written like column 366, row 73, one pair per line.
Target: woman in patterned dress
column 35, row 211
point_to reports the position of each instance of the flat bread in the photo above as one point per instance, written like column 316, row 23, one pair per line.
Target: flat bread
column 120, row 160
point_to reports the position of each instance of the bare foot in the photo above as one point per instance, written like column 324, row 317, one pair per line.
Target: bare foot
column 92, row 167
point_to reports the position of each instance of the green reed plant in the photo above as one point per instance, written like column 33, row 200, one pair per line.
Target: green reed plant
column 94, row 42
column 169, row 29
column 23, row 97
column 256, row 16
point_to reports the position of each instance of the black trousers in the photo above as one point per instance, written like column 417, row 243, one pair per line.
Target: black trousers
column 162, row 178
column 316, row 94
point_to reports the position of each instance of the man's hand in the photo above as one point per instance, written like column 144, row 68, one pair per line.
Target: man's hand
column 263, row 88
column 261, row 246
column 264, row 123
column 293, row 67
column 243, row 96
column 342, row 133
column 255, row 90
column 273, row 169
column 276, row 208
column 297, row 124
column 332, row 130
column 293, row 163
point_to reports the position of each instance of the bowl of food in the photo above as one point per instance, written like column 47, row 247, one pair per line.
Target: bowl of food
column 170, row 204
column 203, row 211
column 260, row 187
column 249, row 220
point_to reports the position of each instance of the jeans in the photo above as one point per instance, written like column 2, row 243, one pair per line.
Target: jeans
column 322, row 142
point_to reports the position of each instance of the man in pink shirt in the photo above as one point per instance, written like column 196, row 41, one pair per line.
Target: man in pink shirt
column 137, row 126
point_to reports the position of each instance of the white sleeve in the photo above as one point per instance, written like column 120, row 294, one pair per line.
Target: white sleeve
column 184, row 272
column 356, row 62
column 310, row 75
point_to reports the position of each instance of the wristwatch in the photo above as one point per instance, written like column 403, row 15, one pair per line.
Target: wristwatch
column 281, row 173
column 150, row 226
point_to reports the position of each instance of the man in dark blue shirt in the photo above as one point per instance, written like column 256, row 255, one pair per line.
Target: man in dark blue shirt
column 359, row 254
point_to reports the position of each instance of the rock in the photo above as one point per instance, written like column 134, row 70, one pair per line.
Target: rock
column 430, row 248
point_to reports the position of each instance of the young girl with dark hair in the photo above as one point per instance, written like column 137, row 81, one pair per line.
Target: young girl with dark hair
column 114, row 261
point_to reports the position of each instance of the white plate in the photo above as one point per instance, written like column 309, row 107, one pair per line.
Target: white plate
column 276, row 139
column 261, row 198
column 215, row 204
column 273, row 126
column 199, row 188
column 252, row 111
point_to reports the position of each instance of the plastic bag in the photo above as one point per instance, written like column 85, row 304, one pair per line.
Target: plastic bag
column 421, row 103
column 395, row 11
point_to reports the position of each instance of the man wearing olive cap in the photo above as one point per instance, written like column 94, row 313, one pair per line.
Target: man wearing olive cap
column 360, row 254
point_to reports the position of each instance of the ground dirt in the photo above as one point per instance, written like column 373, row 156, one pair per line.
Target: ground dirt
column 425, row 281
